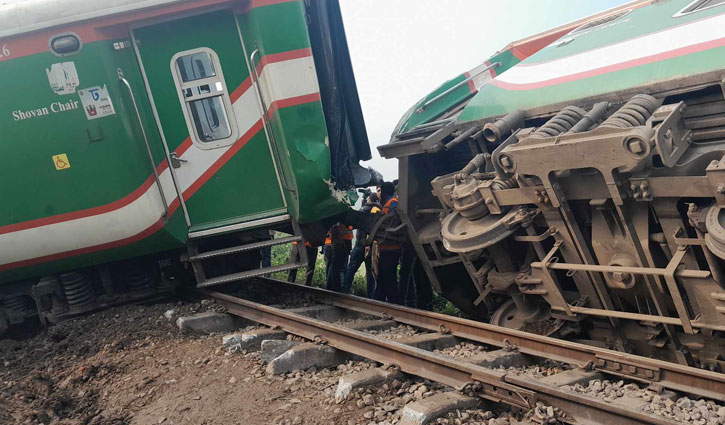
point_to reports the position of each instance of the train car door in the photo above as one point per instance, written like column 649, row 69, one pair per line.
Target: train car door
column 210, row 118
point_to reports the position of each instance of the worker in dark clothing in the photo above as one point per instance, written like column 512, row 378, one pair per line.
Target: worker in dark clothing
column 407, row 281
column 295, row 257
column 362, row 253
column 415, row 288
column 266, row 256
column 266, row 252
column 327, row 254
column 387, row 284
column 340, row 246
column 423, row 288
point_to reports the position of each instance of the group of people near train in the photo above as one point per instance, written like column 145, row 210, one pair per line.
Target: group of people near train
column 391, row 272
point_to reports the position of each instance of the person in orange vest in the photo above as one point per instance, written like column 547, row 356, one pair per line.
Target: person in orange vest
column 311, row 262
column 387, row 288
column 327, row 254
column 340, row 246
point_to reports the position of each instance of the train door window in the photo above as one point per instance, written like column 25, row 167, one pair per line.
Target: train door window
column 204, row 98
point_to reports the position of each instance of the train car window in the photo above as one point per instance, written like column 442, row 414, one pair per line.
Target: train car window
column 195, row 67
column 210, row 119
column 65, row 44
column 204, row 98
column 697, row 6
column 600, row 22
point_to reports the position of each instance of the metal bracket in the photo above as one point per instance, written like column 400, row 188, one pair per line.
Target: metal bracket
column 507, row 346
column 537, row 238
column 677, row 299
column 540, row 270
column 542, row 196
column 641, row 190
column 686, row 241
column 627, row 369
column 672, row 139
column 319, row 340
column 716, row 175
column 510, row 394
column 434, row 142
column 489, row 197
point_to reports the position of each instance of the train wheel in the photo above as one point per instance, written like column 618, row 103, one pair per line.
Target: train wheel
column 529, row 317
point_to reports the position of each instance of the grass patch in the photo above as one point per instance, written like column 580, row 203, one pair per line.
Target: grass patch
column 281, row 255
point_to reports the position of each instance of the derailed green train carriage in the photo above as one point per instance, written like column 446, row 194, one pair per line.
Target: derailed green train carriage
column 572, row 185
column 150, row 129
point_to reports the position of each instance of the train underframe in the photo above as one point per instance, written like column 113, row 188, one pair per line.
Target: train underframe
column 54, row 298
column 214, row 260
column 600, row 221
column 60, row 296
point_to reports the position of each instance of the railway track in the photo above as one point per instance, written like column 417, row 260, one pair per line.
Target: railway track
column 349, row 330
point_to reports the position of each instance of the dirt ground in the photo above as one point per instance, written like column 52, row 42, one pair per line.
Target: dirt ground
column 130, row 365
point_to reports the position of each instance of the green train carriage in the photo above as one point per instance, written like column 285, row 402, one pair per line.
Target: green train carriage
column 572, row 184
column 150, row 130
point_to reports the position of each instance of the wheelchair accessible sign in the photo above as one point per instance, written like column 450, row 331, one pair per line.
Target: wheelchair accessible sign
column 96, row 102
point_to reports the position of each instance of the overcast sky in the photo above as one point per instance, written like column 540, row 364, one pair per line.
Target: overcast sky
column 403, row 49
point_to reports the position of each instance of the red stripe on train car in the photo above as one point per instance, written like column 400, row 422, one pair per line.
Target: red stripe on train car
column 73, row 215
column 282, row 56
column 292, row 101
column 239, row 144
column 261, row 3
column 109, row 27
column 158, row 225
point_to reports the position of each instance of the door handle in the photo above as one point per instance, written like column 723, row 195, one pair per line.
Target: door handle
column 267, row 122
column 175, row 160
column 152, row 162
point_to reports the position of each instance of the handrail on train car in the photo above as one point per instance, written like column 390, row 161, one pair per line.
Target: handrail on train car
column 119, row 71
column 267, row 121
column 459, row 84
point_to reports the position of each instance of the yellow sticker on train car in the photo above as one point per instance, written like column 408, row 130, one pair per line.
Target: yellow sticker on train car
column 61, row 161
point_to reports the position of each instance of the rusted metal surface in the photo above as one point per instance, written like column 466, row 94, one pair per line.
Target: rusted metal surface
column 587, row 410
column 671, row 375
column 411, row 360
column 490, row 384
column 628, row 205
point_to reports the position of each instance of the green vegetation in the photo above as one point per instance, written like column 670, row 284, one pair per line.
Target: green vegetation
column 442, row 305
column 281, row 253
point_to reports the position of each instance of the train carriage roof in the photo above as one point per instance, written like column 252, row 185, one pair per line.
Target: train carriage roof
column 22, row 16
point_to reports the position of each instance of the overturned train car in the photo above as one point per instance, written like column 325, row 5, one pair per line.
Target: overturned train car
column 574, row 184
column 145, row 141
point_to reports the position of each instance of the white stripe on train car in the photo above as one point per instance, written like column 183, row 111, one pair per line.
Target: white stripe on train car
column 628, row 52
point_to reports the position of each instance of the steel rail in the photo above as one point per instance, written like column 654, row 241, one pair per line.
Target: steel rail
column 496, row 385
column 670, row 375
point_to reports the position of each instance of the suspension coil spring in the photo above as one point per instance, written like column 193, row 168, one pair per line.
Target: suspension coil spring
column 560, row 123
column 77, row 288
column 634, row 113
column 140, row 281
column 499, row 184
column 21, row 303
